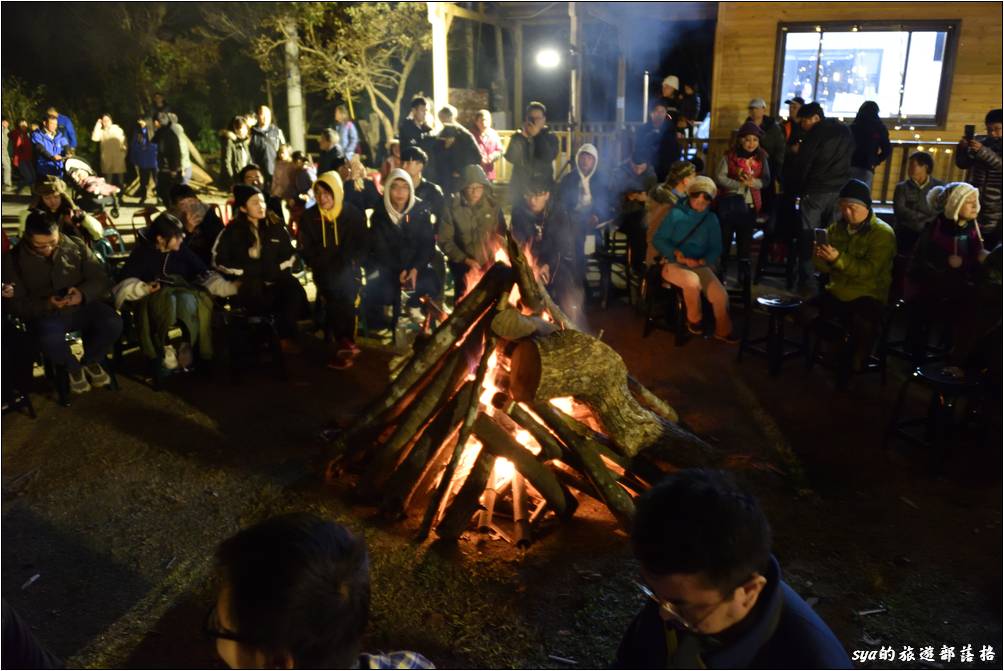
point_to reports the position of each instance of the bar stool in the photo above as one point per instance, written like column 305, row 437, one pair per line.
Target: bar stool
column 774, row 345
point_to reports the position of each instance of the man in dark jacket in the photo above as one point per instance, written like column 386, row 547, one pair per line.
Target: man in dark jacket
column 657, row 139
column 413, row 161
column 58, row 286
column 201, row 222
column 821, row 167
column 143, row 155
column 716, row 597
column 331, row 156
column 415, row 131
column 981, row 156
column 457, row 149
column 531, row 151
column 265, row 140
column 630, row 185
column 174, row 163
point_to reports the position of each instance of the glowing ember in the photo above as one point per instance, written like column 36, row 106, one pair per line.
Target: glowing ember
column 504, row 470
column 566, row 404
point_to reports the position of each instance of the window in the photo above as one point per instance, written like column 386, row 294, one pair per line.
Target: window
column 906, row 68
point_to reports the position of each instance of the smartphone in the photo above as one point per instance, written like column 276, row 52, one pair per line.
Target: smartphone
column 970, row 131
column 822, row 236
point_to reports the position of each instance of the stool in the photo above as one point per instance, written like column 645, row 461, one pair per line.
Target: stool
column 241, row 329
column 947, row 385
column 774, row 345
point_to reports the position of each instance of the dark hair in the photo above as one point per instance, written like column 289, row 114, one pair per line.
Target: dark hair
column 41, row 223
column 418, row 101
column 700, row 521
column 993, row 116
column 869, row 111
column 180, row 192
column 534, row 105
column 414, row 154
column 302, row 156
column 246, row 169
column 811, row 109
column 330, row 135
column 658, row 102
column 237, row 122
column 924, row 159
column 538, row 184
column 166, row 226
column 640, row 155
column 298, row 585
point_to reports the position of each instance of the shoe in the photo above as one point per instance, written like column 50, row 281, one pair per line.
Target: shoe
column 729, row 338
column 185, row 356
column 290, row 346
column 170, row 358
column 340, row 362
column 347, row 347
column 78, row 383
column 695, row 329
column 97, row 375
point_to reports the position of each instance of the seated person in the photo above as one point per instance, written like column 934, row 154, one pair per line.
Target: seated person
column 541, row 224
column 584, row 196
column 360, row 191
column 413, row 161
column 858, row 260
column 304, row 176
column 59, row 286
column 333, row 242
column 252, row 175
column 401, row 250
column 201, row 222
column 741, row 176
column 169, row 283
column 946, row 263
column 282, row 178
column 629, row 188
column 661, row 199
column 471, row 229
column 331, row 156
column 52, row 196
column 716, row 598
column 256, row 252
column 294, row 593
column 913, row 214
column 392, row 161
column 690, row 242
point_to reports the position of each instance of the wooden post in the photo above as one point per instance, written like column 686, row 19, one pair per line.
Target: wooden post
column 621, row 79
column 575, row 71
column 294, row 90
column 440, row 65
column 517, row 103
column 503, row 85
column 469, row 55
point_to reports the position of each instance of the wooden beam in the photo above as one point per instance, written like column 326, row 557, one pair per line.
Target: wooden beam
column 454, row 10
column 517, row 103
column 440, row 63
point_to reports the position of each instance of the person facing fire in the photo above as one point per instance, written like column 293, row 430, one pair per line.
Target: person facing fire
column 471, row 226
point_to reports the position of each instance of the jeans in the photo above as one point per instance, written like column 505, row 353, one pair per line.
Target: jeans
column 146, row 175
column 98, row 322
column 863, row 174
column 27, row 171
column 694, row 281
column 818, row 210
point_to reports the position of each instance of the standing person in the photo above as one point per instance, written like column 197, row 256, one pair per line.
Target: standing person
column 8, row 166
column 331, row 157
column 657, row 139
column 742, row 176
column 871, row 142
column 65, row 125
column 159, row 105
column 175, row 165
column 471, row 229
column 457, row 150
column 981, row 157
column 531, row 151
column 629, row 188
column 333, row 241
column 415, row 130
column 671, row 93
column 583, row 193
column 489, row 143
column 689, row 113
column 413, row 161
column 265, row 140
column 23, row 158
column 392, row 161
column 820, row 167
column 235, row 153
column 792, row 131
column 50, row 147
column 111, row 141
column 773, row 142
column 143, row 156
column 913, row 212
column 347, row 133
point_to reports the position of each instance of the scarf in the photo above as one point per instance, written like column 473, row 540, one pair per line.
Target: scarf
column 585, row 199
column 333, row 181
column 395, row 216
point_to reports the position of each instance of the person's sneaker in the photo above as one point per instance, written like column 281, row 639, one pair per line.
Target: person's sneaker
column 78, row 383
column 97, row 375
column 340, row 362
column 347, row 348
column 290, row 346
column 170, row 358
column 695, row 329
column 729, row 338
column 185, row 356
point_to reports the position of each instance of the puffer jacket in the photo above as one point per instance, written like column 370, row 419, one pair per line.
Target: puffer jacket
column 469, row 232
column 823, row 161
column 235, row 155
column 984, row 172
column 143, row 150
column 704, row 243
column 264, row 147
column 864, row 267
column 910, row 205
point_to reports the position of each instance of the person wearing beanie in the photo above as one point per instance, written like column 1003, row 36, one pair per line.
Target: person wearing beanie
column 690, row 242
column 858, row 260
column 333, row 241
column 773, row 141
column 661, row 199
column 981, row 158
column 256, row 252
column 471, row 229
column 913, row 213
column 743, row 175
column 630, row 185
column 657, row 139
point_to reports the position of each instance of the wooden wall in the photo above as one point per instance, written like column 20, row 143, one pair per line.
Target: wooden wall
column 746, row 41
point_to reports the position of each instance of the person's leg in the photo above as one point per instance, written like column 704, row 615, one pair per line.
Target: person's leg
column 866, row 319
column 186, row 305
column 690, row 284
column 718, row 297
column 459, row 272
column 816, row 212
column 50, row 331
column 744, row 233
column 288, row 302
column 100, row 326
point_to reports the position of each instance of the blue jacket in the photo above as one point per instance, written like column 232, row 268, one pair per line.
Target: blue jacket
column 66, row 125
column 349, row 138
column 781, row 632
column 705, row 243
column 143, row 150
column 45, row 148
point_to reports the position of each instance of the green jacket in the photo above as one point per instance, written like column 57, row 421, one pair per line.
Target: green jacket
column 468, row 232
column 864, row 267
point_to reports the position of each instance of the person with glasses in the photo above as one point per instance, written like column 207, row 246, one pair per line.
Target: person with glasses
column 690, row 242
column 531, row 151
column 294, row 593
column 715, row 597
column 57, row 285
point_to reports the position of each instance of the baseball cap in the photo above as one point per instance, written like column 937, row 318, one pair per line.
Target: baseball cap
column 758, row 102
column 797, row 99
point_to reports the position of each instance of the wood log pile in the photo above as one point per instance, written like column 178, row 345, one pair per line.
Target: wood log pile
column 508, row 415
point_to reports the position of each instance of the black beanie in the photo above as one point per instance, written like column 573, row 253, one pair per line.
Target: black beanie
column 242, row 192
column 857, row 191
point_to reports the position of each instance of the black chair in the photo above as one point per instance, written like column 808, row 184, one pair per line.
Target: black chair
column 774, row 345
column 245, row 334
column 614, row 260
column 658, row 295
column 835, row 334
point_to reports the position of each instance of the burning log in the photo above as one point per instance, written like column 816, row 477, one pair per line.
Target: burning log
column 463, row 506
column 548, row 445
column 530, row 291
column 521, row 523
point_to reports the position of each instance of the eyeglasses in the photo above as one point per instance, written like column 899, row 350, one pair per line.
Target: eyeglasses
column 672, row 611
column 701, row 194
column 213, row 629
column 41, row 247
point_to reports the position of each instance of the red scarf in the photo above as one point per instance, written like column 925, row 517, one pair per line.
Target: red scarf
column 753, row 165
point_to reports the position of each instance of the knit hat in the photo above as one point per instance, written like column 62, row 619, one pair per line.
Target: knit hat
column 702, row 184
column 673, row 81
column 679, row 171
column 243, row 193
column 750, row 128
column 858, row 192
column 949, row 198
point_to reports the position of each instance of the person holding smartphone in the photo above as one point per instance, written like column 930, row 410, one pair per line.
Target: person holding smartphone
column 981, row 157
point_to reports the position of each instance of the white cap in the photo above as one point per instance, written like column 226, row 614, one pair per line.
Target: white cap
column 758, row 102
column 673, row 81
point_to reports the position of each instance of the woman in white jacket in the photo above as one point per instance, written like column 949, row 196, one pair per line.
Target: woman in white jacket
column 111, row 141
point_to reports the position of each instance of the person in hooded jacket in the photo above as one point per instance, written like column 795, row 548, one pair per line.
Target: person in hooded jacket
column 256, row 252
column 402, row 247
column 143, row 156
column 234, row 147
column 871, row 142
column 584, row 195
column 472, row 226
column 333, row 240
column 457, row 149
column 169, row 283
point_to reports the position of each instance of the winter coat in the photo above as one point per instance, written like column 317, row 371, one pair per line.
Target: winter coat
column 348, row 138
column 910, row 204
column 568, row 195
column 944, row 238
column 727, row 177
column 143, row 150
column 550, row 234
column 172, row 148
column 410, row 134
column 232, row 253
column 660, row 144
column 625, row 182
column 36, row 279
column 531, row 157
column 469, row 232
column 823, row 161
column 20, row 146
column 333, row 249
column 489, row 144
column 45, row 148
column 985, row 174
column 411, row 243
column 65, row 124
column 871, row 144
column 365, row 198
column 864, row 267
column 773, row 142
column 264, row 147
column 433, row 198
column 453, row 159
column 234, row 155
column 202, row 239
column 704, row 243
column 112, row 143
column 330, row 159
